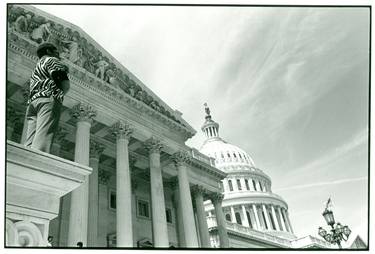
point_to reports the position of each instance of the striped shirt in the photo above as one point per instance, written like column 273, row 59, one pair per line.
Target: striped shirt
column 41, row 82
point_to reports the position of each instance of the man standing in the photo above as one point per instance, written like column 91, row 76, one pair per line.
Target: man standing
column 48, row 84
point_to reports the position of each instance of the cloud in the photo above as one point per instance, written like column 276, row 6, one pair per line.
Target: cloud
column 318, row 184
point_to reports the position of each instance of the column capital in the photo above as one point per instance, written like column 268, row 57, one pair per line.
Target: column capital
column 198, row 190
column 153, row 145
column 96, row 149
column 216, row 197
column 181, row 157
column 103, row 176
column 83, row 112
column 121, row 130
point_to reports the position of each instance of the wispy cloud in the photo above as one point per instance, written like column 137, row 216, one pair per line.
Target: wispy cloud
column 318, row 184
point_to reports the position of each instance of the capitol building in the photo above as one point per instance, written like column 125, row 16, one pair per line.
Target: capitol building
column 120, row 174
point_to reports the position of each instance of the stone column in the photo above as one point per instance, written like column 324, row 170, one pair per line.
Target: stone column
column 124, row 228
column 245, row 220
column 181, row 159
column 134, row 186
column 243, row 184
column 251, row 184
column 233, row 214
column 256, row 217
column 289, row 224
column 234, row 183
column 198, row 192
column 79, row 197
column 266, row 217
column 275, row 218
column 257, row 183
column 159, row 219
column 217, row 199
column 281, row 219
column 178, row 207
column 96, row 150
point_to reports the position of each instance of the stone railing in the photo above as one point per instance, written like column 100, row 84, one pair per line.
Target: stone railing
column 35, row 181
column 254, row 233
column 308, row 241
column 202, row 157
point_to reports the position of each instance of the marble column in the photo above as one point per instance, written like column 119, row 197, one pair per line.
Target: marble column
column 290, row 224
column 124, row 228
column 77, row 232
column 134, row 186
column 181, row 160
column 178, row 207
column 198, row 192
column 275, row 218
column 266, row 217
column 256, row 217
column 243, row 184
column 159, row 219
column 251, row 185
column 217, row 199
column 245, row 220
column 233, row 215
column 96, row 149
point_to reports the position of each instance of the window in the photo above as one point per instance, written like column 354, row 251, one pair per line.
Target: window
column 272, row 222
column 239, row 184
column 112, row 199
column 255, row 187
column 247, row 184
column 168, row 212
column 143, row 209
column 230, row 185
column 264, row 219
column 227, row 217
column 261, row 186
column 249, row 219
column 238, row 218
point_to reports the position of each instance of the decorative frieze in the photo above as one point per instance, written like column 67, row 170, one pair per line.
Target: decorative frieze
column 104, row 176
column 153, row 145
column 121, row 130
column 181, row 157
column 96, row 149
column 83, row 112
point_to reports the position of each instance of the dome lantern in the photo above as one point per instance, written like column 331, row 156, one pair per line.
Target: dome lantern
column 210, row 128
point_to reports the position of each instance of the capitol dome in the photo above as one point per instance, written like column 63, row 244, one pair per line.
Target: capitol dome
column 249, row 204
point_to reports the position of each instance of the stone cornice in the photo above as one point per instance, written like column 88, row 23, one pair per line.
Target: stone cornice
column 116, row 75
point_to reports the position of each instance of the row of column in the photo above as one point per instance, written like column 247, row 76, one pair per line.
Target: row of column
column 84, row 207
column 231, row 184
column 260, row 217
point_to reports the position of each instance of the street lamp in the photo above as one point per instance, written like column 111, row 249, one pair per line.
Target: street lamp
column 338, row 232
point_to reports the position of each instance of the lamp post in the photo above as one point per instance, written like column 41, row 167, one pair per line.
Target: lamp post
column 338, row 232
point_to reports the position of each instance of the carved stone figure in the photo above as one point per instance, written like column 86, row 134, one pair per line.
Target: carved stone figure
column 41, row 33
column 102, row 65
column 22, row 24
column 72, row 50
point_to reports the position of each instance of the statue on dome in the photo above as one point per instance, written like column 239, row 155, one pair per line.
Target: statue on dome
column 207, row 109
column 41, row 33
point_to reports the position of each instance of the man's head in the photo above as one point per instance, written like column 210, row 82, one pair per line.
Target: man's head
column 47, row 49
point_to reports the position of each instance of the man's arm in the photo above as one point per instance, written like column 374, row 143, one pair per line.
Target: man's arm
column 61, row 79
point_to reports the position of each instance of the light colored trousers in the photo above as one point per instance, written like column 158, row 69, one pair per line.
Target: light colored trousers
column 43, row 116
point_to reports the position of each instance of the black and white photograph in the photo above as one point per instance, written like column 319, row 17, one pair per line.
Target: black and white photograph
column 186, row 126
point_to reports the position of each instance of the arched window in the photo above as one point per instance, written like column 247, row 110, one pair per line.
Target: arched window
column 247, row 184
column 238, row 218
column 227, row 217
column 249, row 219
column 260, row 186
column 230, row 185
column 255, row 186
column 239, row 184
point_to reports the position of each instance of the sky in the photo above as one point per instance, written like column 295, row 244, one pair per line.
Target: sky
column 290, row 86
